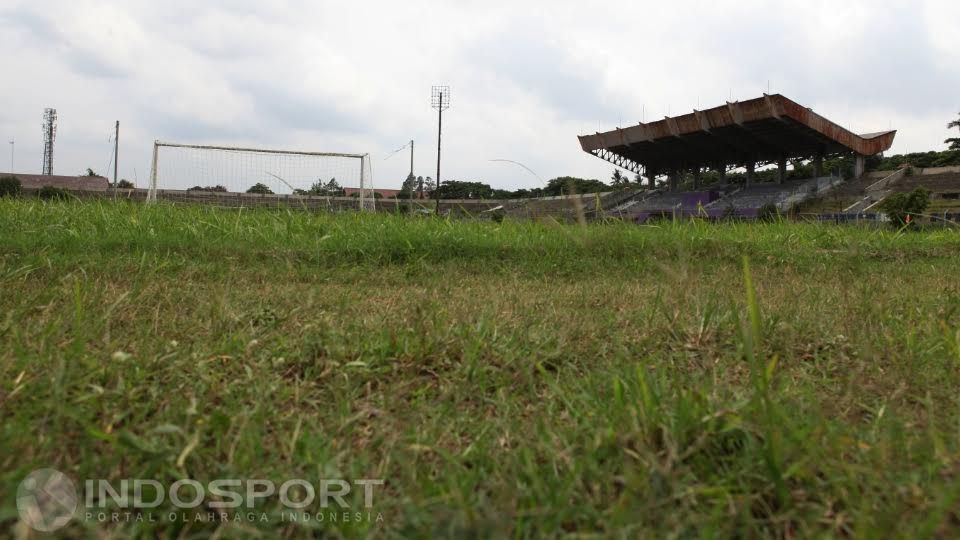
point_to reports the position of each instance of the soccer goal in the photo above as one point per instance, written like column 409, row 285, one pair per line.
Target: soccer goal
column 257, row 170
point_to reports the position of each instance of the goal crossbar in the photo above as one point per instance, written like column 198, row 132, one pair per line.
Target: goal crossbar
column 257, row 150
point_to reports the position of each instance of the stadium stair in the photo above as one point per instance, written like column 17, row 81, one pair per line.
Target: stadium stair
column 623, row 204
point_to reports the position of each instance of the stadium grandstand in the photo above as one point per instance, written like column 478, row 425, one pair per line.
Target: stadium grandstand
column 770, row 130
column 864, row 195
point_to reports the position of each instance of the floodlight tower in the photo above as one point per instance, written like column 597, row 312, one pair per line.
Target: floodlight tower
column 440, row 100
column 49, row 135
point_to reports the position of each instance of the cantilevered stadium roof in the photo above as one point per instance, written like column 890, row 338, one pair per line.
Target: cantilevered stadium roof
column 765, row 129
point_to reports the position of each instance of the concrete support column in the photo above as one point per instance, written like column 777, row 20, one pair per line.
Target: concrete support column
column 859, row 165
column 652, row 177
column 818, row 166
column 722, row 171
column 751, row 169
column 782, row 169
column 674, row 180
column 696, row 178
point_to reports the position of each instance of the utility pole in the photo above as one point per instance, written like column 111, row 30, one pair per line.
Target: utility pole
column 420, row 187
column 116, row 156
column 441, row 102
column 398, row 150
column 12, row 169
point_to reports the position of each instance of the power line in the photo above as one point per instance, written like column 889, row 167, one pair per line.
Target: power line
column 398, row 150
column 112, row 155
column 528, row 169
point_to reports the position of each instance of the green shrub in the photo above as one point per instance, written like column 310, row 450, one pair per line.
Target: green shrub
column 768, row 213
column 497, row 215
column 51, row 193
column 10, row 186
column 655, row 218
column 213, row 189
column 900, row 206
column 125, row 184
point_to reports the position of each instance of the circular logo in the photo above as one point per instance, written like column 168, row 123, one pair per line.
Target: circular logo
column 46, row 499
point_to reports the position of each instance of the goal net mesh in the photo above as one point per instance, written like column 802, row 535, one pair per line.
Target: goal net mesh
column 239, row 170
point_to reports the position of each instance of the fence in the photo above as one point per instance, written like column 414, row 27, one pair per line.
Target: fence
column 520, row 207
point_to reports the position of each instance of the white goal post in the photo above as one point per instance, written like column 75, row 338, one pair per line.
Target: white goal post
column 179, row 167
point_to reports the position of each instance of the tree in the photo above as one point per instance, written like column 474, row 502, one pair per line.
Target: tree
column 316, row 188
column 619, row 180
column 125, row 184
column 428, row 184
column 954, row 142
column 261, row 189
column 216, row 189
column 91, row 173
column 409, row 187
column 568, row 185
column 902, row 208
column 333, row 189
column 921, row 160
column 330, row 189
column 456, row 189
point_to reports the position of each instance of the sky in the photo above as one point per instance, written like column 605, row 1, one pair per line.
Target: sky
column 526, row 77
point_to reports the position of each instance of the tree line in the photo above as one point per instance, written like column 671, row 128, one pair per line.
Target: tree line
column 415, row 187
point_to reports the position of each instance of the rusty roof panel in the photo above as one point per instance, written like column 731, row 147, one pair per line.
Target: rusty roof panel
column 760, row 129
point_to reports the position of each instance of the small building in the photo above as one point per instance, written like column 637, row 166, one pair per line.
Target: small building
column 81, row 183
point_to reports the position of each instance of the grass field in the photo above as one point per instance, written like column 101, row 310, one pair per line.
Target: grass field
column 511, row 379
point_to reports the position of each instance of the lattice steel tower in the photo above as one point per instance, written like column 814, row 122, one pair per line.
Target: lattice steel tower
column 49, row 135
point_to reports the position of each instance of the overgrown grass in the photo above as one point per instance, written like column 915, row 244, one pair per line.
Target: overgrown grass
column 510, row 379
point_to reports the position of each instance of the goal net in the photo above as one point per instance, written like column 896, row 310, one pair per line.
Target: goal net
column 186, row 167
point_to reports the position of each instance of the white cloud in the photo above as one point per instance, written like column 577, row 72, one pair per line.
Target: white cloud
column 527, row 77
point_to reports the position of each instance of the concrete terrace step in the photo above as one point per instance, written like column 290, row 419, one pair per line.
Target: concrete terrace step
column 933, row 182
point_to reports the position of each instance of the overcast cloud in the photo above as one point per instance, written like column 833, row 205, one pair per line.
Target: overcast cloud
column 526, row 77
